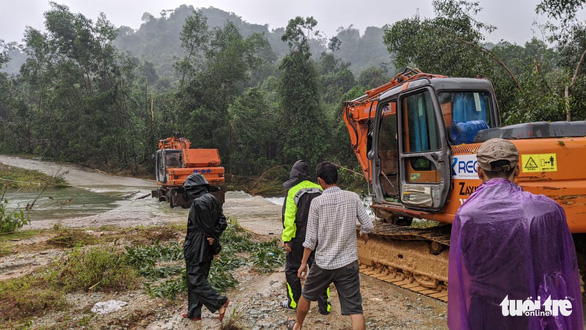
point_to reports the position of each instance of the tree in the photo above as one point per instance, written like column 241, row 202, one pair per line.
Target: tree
column 373, row 77
column 335, row 78
column 571, row 39
column 79, row 90
column 206, row 97
column 447, row 44
column 564, row 10
column 302, row 112
column 194, row 40
column 256, row 140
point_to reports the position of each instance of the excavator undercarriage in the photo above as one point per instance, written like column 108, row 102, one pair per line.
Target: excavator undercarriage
column 412, row 258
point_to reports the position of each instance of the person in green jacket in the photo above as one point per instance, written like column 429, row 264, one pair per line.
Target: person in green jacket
column 300, row 192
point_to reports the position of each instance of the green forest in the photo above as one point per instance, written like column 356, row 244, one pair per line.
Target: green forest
column 93, row 94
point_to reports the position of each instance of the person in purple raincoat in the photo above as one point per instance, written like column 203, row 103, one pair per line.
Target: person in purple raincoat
column 512, row 258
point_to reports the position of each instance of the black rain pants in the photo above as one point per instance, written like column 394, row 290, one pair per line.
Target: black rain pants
column 293, row 261
column 200, row 292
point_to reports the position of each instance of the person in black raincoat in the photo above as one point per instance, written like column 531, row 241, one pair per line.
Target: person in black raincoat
column 205, row 225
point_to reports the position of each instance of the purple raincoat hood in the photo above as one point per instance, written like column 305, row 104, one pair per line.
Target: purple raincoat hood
column 508, row 245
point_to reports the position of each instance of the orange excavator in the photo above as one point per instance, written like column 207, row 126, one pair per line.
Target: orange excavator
column 175, row 161
column 416, row 139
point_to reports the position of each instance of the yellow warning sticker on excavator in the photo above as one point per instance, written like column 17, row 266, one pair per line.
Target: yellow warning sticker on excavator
column 539, row 163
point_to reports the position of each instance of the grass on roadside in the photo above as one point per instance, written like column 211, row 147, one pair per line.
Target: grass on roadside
column 17, row 178
column 84, row 269
column 28, row 296
column 70, row 238
column 8, row 240
column 96, row 268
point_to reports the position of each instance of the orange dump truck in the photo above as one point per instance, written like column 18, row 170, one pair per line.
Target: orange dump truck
column 175, row 161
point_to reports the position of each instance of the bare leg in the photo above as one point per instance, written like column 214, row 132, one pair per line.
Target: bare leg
column 302, row 309
column 357, row 321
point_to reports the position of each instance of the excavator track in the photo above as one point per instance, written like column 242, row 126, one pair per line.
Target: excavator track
column 411, row 258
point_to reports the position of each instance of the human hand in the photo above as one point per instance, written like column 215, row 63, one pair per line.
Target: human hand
column 364, row 236
column 302, row 271
column 210, row 240
column 287, row 246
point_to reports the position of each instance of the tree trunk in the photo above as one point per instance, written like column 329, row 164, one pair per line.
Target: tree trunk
column 567, row 102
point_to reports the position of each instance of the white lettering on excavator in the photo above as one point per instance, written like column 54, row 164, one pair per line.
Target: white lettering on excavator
column 462, row 200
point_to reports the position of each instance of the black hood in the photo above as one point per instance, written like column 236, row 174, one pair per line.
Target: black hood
column 299, row 172
column 196, row 185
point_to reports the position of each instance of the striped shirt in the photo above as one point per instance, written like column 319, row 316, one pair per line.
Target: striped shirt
column 331, row 227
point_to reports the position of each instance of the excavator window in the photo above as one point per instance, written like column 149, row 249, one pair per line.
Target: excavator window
column 173, row 159
column 465, row 113
column 420, row 135
column 388, row 151
column 160, row 167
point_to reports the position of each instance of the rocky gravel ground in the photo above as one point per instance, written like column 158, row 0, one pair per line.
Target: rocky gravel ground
column 254, row 305
column 255, row 300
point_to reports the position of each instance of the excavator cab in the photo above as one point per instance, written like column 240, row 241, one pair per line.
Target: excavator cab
column 167, row 158
column 414, row 127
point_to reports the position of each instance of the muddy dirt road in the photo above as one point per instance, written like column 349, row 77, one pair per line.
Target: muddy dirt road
column 254, row 301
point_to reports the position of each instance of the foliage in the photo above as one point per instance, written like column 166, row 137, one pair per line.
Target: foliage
column 164, row 270
column 267, row 256
column 22, row 179
column 96, row 268
column 373, row 77
column 71, row 238
column 254, row 119
column 571, row 39
column 11, row 220
column 209, row 92
column 301, row 106
column 78, row 89
column 263, row 98
column 447, row 44
column 529, row 81
column 28, row 296
column 564, row 10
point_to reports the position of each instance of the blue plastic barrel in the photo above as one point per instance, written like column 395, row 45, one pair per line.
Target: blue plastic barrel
column 465, row 132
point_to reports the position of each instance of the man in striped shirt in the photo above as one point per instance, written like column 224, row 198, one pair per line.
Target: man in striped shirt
column 332, row 222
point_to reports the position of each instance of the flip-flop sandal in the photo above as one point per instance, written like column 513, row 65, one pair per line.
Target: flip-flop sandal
column 290, row 324
column 221, row 316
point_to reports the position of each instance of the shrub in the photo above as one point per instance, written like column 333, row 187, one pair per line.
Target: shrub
column 10, row 221
column 96, row 268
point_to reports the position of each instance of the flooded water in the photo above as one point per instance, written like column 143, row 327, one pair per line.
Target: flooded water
column 366, row 200
column 276, row 200
column 62, row 203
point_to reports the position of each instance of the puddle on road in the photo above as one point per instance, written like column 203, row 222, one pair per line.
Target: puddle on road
column 63, row 203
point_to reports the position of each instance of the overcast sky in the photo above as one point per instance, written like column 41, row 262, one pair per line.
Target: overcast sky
column 513, row 18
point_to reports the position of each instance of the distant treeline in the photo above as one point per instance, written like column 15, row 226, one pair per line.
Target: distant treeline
column 90, row 93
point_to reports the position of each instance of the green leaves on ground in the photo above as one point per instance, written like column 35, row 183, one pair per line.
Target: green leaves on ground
column 163, row 267
column 10, row 220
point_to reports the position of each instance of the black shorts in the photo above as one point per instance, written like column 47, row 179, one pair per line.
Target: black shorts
column 347, row 282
